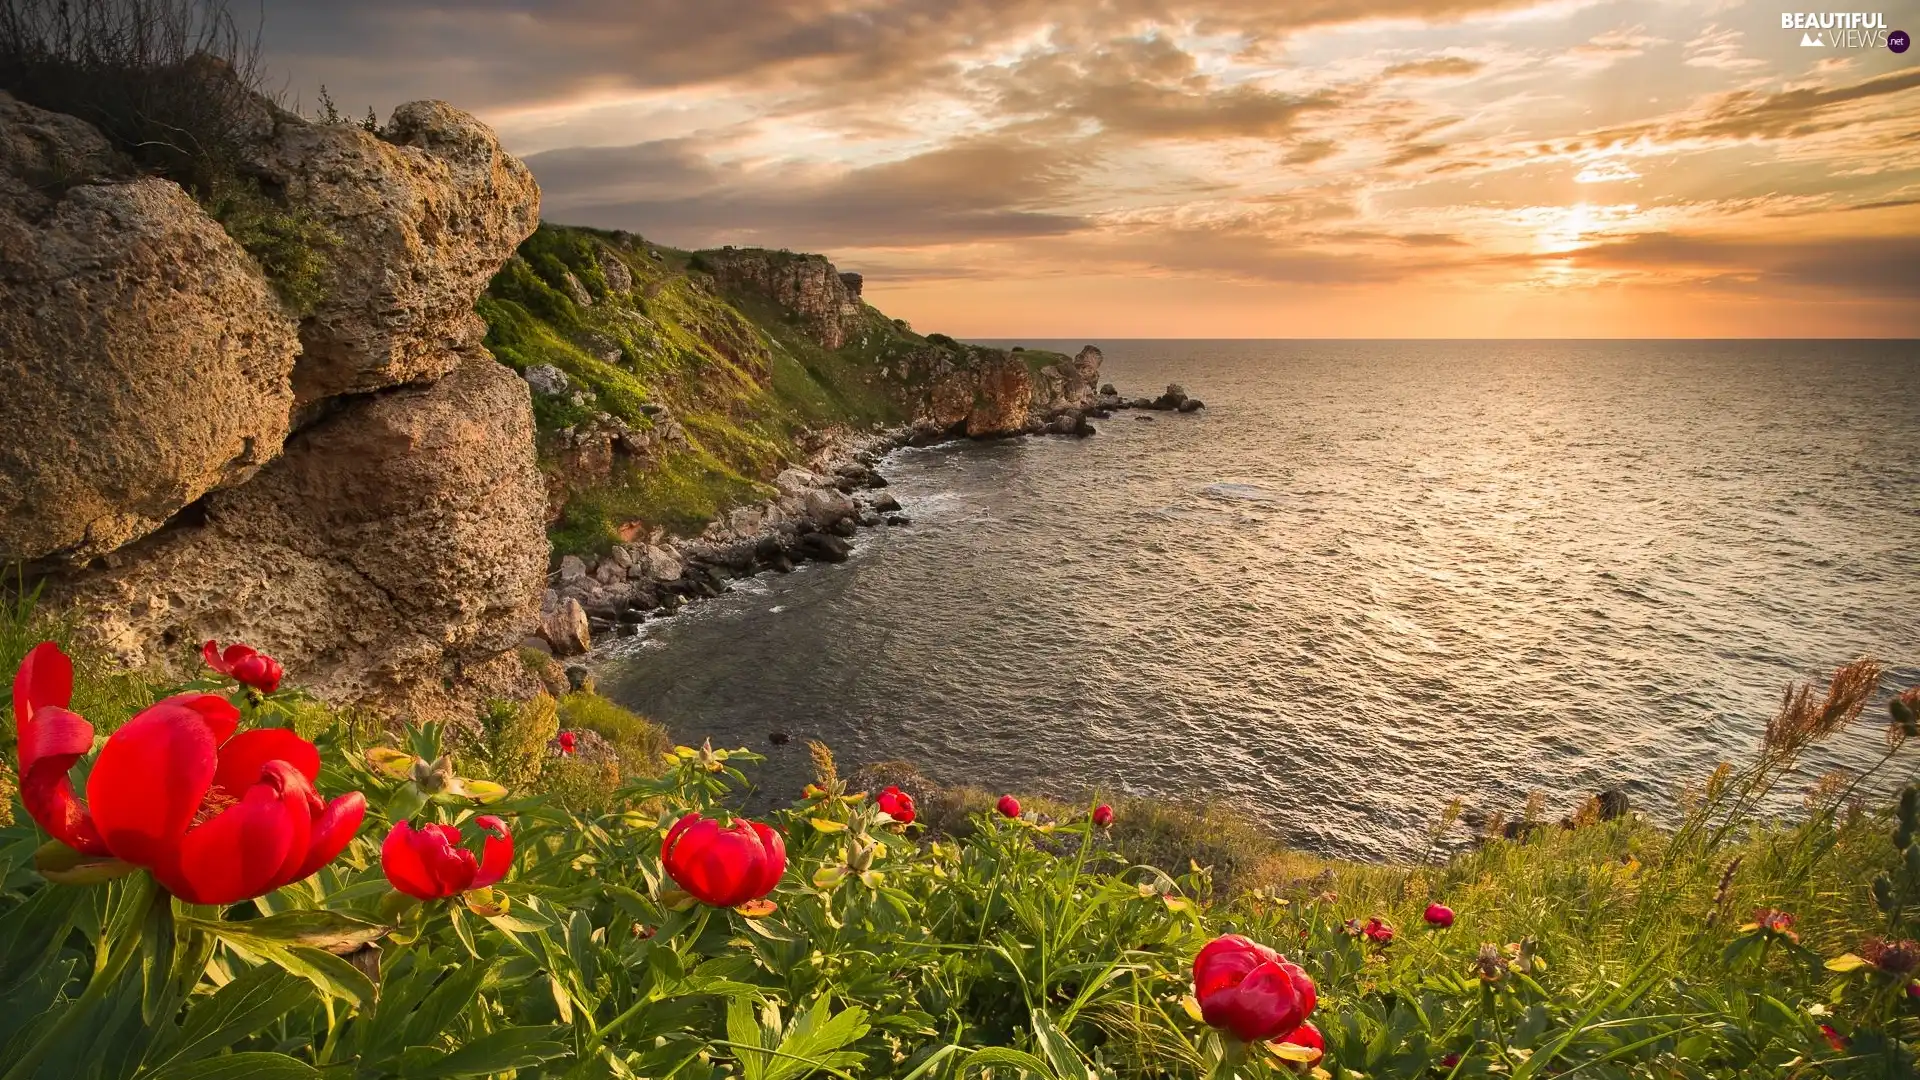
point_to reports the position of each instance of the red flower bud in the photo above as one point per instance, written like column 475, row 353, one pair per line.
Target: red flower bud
column 1250, row 991
column 428, row 863
column 897, row 805
column 1103, row 815
column 725, row 866
column 1834, row 1038
column 217, row 817
column 1008, row 806
column 1308, row 1036
column 245, row 665
column 1439, row 916
column 567, row 741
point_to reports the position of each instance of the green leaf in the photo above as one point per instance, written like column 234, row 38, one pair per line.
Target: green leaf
column 507, row 1048
column 250, row 1066
column 331, row 930
column 446, row 1000
column 330, row 974
column 991, row 1056
column 237, row 1010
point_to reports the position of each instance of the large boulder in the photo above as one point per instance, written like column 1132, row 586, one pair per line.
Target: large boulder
column 426, row 213
column 145, row 359
column 396, row 547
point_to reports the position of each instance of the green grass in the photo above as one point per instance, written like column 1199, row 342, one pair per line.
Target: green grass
column 732, row 369
column 1044, row 947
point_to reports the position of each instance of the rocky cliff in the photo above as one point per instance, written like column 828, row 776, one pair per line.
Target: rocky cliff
column 185, row 455
column 674, row 386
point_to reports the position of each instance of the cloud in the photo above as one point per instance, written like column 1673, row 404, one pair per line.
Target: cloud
column 1859, row 266
column 970, row 192
column 1442, row 67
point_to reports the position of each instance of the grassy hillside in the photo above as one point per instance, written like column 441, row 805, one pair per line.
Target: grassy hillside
column 736, row 370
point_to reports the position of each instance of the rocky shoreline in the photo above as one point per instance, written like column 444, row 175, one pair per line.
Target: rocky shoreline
column 818, row 510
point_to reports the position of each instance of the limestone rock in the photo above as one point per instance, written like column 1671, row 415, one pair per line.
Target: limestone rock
column 145, row 359
column 807, row 286
column 396, row 544
column 547, row 380
column 614, row 269
column 425, row 216
column 566, row 629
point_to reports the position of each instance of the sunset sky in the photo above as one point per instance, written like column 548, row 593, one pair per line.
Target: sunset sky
column 1207, row 168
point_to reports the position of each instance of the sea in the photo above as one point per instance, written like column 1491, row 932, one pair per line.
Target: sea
column 1369, row 578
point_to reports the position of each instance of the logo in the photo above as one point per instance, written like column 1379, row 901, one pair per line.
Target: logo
column 1842, row 29
column 1898, row 41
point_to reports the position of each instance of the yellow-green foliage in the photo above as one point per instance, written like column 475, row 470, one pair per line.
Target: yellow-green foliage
column 740, row 379
column 519, row 739
column 640, row 742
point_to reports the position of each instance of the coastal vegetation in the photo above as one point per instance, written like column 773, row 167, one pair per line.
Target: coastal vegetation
column 370, row 901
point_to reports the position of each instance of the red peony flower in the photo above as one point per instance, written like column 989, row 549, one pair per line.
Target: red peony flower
column 1008, row 806
column 1439, row 916
column 428, row 863
column 1250, row 991
column 1103, row 815
column 1308, row 1036
column 723, row 865
column 245, row 665
column 567, row 740
column 217, row 817
column 1898, row 957
column 1378, row 931
column 1834, row 1038
column 897, row 805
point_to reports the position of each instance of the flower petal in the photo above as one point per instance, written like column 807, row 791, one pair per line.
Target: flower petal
column 235, row 856
column 150, row 779
column 244, row 755
column 332, row 831
column 45, row 678
column 49, row 745
column 406, row 870
column 773, row 861
column 499, row 851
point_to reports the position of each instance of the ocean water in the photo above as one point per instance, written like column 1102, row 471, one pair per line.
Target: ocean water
column 1368, row 578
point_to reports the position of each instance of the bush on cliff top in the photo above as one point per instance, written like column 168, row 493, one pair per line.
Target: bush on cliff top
column 578, row 945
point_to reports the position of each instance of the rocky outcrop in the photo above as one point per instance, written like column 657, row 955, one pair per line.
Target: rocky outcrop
column 816, row 296
column 387, row 550
column 146, row 360
column 356, row 493
column 426, row 213
column 987, row 393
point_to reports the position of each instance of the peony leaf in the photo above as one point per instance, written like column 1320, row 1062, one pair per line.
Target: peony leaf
column 388, row 762
column 1845, row 963
column 332, row 931
column 1177, row 903
column 828, row 877
column 754, row 909
column 1192, row 1005
column 828, row 825
column 485, row 791
column 1291, row 1052
column 62, row 865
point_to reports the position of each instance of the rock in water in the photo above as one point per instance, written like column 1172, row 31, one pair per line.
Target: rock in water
column 398, row 543
column 824, row 547
column 1191, row 405
column 145, row 359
